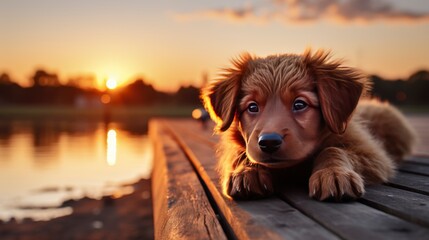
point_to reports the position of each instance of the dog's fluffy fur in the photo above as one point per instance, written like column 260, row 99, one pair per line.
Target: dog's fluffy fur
column 311, row 101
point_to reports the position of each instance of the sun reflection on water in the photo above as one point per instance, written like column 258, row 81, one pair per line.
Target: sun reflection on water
column 50, row 162
column 111, row 147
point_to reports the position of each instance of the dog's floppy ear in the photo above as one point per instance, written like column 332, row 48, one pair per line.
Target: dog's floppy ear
column 339, row 88
column 220, row 97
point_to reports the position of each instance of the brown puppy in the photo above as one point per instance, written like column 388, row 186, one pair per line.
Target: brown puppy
column 283, row 110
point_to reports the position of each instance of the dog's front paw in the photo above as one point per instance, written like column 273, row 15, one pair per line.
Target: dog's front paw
column 249, row 183
column 336, row 184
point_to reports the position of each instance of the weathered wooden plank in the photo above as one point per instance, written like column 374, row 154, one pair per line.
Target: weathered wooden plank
column 414, row 168
column 411, row 182
column 410, row 206
column 261, row 219
column 423, row 160
column 354, row 220
column 206, row 135
column 181, row 208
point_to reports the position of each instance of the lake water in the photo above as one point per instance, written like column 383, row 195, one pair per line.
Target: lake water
column 45, row 162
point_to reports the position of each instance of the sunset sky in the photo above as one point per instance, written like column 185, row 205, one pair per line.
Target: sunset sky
column 170, row 43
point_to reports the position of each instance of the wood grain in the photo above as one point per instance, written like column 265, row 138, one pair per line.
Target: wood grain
column 181, row 207
column 354, row 220
column 410, row 206
column 410, row 182
column 416, row 168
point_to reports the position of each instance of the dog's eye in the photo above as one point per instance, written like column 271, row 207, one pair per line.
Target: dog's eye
column 253, row 108
column 299, row 105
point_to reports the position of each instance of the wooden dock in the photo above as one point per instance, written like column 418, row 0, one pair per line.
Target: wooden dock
column 188, row 203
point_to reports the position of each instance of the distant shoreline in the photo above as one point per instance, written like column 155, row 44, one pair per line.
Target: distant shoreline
column 95, row 113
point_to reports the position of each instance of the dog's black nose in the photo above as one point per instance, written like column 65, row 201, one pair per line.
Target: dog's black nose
column 270, row 142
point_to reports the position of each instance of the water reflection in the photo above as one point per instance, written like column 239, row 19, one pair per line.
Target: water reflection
column 111, row 147
column 77, row 158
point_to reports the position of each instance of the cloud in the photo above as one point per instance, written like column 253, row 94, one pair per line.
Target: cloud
column 300, row 11
column 242, row 14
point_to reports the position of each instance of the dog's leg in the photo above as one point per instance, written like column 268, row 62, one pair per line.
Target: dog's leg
column 248, row 181
column 334, row 178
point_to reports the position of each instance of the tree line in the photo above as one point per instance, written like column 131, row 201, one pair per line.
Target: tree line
column 46, row 89
column 411, row 91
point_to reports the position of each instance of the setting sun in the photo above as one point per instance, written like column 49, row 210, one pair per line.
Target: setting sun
column 111, row 83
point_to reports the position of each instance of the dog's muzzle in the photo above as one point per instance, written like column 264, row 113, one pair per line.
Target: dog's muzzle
column 270, row 142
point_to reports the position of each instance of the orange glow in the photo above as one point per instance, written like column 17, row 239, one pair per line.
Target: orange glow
column 196, row 114
column 129, row 53
column 105, row 98
column 126, row 190
column 111, row 83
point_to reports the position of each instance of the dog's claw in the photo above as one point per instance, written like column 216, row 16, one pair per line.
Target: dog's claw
column 251, row 182
column 336, row 184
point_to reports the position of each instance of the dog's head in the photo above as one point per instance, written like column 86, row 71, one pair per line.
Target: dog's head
column 283, row 105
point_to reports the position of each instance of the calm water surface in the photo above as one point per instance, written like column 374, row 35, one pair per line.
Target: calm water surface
column 45, row 162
